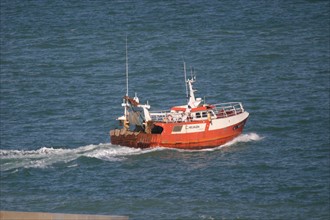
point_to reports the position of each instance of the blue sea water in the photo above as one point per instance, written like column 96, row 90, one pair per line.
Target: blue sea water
column 62, row 83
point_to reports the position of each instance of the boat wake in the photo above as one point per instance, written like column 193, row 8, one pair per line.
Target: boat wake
column 48, row 156
column 243, row 138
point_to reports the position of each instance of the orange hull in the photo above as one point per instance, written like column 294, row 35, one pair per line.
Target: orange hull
column 190, row 141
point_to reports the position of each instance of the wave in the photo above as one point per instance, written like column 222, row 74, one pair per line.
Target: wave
column 243, row 138
column 48, row 156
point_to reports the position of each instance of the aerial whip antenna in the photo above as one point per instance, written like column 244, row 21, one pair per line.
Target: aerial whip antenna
column 185, row 77
column 126, row 69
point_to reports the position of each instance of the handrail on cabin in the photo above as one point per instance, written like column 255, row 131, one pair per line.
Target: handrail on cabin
column 221, row 110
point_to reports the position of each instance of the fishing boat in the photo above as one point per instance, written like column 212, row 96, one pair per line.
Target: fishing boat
column 194, row 125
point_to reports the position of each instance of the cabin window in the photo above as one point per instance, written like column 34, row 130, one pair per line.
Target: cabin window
column 204, row 114
column 177, row 128
column 198, row 115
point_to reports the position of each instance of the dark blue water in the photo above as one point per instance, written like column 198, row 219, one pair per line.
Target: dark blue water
column 62, row 82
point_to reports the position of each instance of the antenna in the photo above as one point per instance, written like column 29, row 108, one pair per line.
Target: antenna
column 185, row 77
column 126, row 102
column 126, row 69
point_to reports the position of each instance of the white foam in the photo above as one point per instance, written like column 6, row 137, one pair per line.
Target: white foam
column 40, row 158
column 243, row 138
column 114, row 153
column 47, row 156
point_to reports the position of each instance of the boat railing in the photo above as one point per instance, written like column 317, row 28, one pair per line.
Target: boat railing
column 159, row 115
column 221, row 110
column 169, row 116
column 224, row 110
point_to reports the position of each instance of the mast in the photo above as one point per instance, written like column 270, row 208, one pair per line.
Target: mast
column 125, row 103
column 185, row 78
column 126, row 69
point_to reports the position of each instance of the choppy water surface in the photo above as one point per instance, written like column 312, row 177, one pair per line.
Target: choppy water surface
column 63, row 78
